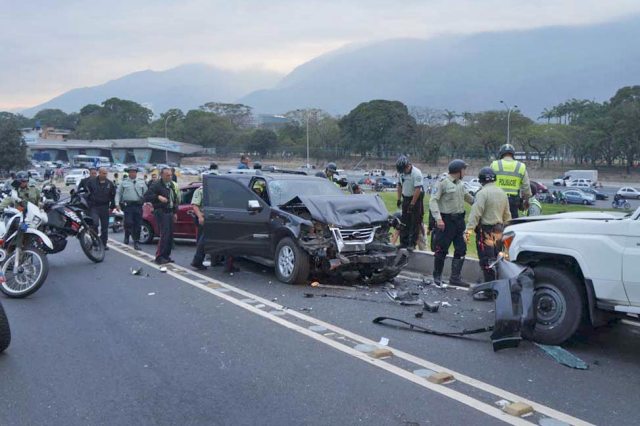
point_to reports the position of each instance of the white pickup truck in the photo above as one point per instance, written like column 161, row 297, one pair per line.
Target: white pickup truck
column 587, row 268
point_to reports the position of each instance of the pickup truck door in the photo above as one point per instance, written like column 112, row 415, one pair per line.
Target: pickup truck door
column 631, row 263
column 229, row 226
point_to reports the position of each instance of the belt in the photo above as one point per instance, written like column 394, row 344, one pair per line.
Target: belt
column 132, row 203
column 451, row 214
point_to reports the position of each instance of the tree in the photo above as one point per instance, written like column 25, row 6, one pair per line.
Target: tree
column 56, row 118
column 262, row 141
column 625, row 114
column 12, row 145
column 489, row 128
column 115, row 119
column 209, row 130
column 543, row 139
column 239, row 114
column 381, row 127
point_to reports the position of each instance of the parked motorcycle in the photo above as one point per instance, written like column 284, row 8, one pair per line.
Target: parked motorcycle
column 5, row 331
column 24, row 263
column 71, row 218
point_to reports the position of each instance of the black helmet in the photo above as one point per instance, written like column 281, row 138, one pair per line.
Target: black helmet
column 22, row 177
column 457, row 166
column 332, row 166
column 401, row 163
column 486, row 175
column 506, row 149
column 257, row 165
column 213, row 166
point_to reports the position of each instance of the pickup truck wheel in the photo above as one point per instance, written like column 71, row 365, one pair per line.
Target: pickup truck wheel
column 292, row 263
column 558, row 304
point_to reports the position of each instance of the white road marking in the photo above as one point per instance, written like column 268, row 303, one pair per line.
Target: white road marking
column 458, row 396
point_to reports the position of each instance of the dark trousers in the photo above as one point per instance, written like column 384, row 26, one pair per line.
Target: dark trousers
column 453, row 233
column 198, row 258
column 165, row 225
column 489, row 245
column 133, row 220
column 412, row 220
column 514, row 205
column 100, row 216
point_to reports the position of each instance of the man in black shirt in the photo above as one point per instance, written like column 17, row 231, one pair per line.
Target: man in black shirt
column 164, row 197
column 101, row 197
column 93, row 173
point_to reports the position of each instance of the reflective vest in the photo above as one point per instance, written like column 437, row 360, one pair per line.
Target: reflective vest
column 535, row 208
column 509, row 175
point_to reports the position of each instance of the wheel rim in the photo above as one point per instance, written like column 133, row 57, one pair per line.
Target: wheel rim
column 144, row 233
column 29, row 273
column 550, row 306
column 286, row 261
column 93, row 244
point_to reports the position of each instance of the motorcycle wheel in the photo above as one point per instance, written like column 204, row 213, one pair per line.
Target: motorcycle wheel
column 32, row 272
column 91, row 245
column 5, row 331
column 627, row 205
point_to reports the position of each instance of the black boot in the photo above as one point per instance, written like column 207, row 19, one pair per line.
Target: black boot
column 126, row 237
column 438, row 267
column 136, row 245
column 456, row 271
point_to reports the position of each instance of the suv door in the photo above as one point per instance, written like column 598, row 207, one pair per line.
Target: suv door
column 185, row 226
column 229, row 226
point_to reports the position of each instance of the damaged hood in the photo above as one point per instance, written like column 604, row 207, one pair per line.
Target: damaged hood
column 344, row 211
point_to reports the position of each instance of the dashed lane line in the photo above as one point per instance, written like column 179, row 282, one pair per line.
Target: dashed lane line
column 221, row 289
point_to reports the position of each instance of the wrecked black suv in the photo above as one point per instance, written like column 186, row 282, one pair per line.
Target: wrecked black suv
column 301, row 225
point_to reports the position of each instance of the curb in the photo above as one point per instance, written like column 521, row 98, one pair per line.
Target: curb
column 421, row 262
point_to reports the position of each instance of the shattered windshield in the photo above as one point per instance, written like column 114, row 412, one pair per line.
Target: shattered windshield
column 282, row 191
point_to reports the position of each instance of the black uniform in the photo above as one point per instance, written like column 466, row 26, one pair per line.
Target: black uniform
column 163, row 213
column 101, row 198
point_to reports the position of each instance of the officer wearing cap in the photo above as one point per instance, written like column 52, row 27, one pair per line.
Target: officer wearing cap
column 130, row 197
column 410, row 198
column 447, row 208
column 489, row 214
column 512, row 178
column 196, row 204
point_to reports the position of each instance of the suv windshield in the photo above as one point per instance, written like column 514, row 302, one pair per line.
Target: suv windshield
column 282, row 191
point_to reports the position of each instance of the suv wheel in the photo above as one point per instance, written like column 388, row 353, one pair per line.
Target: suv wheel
column 146, row 233
column 292, row 263
column 558, row 304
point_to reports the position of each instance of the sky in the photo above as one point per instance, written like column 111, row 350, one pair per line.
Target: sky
column 48, row 47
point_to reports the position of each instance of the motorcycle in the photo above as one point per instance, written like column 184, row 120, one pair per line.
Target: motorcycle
column 620, row 203
column 24, row 263
column 71, row 218
column 50, row 192
column 5, row 331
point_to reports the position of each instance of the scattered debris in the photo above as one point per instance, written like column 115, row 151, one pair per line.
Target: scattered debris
column 151, row 294
column 306, row 309
column 163, row 269
column 445, row 304
column 404, row 297
column 398, row 323
column 563, row 356
column 431, row 307
column 315, row 284
column 136, row 271
column 335, row 287
column 383, row 341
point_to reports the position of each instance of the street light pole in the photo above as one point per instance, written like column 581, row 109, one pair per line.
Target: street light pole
column 307, row 114
column 166, row 152
column 509, row 109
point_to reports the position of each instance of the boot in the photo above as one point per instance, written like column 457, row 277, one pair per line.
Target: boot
column 438, row 267
column 126, row 237
column 456, row 271
column 136, row 245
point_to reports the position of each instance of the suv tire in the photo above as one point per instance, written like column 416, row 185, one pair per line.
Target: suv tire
column 146, row 233
column 291, row 263
column 558, row 304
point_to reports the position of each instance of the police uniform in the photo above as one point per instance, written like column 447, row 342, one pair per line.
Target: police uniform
column 411, row 216
column 513, row 179
column 489, row 213
column 198, row 258
column 130, row 196
column 30, row 194
column 535, row 208
column 447, row 204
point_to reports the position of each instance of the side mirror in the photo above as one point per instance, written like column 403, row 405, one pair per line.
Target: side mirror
column 254, row 206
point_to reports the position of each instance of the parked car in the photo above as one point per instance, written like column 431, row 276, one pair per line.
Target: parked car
column 585, row 183
column 75, row 176
column 540, row 188
column 599, row 195
column 575, row 196
column 585, row 266
column 300, row 225
column 580, row 185
column 184, row 227
column 561, row 180
column 35, row 175
column 366, row 181
column 629, row 192
column 472, row 187
column 385, row 183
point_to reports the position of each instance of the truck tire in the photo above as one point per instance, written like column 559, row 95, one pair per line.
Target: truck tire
column 559, row 305
column 5, row 331
column 291, row 262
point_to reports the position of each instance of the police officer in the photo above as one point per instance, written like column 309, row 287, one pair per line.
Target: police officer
column 101, row 197
column 410, row 198
column 447, row 207
column 130, row 197
column 330, row 171
column 165, row 199
column 512, row 178
column 488, row 216
column 535, row 208
column 24, row 191
column 196, row 204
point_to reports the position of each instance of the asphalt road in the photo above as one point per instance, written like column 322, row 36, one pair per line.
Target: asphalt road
column 97, row 345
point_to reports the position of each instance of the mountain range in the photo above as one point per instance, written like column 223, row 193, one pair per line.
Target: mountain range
column 531, row 68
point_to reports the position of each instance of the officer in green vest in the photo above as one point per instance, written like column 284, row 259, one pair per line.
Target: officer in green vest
column 512, row 178
column 130, row 196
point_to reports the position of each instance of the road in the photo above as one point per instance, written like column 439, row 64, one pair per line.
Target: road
column 97, row 345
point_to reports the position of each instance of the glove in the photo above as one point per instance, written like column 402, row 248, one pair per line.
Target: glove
column 399, row 203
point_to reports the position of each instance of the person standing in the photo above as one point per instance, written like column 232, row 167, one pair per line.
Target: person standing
column 487, row 219
column 130, row 196
column 116, row 179
column 410, row 198
column 512, row 178
column 196, row 204
column 101, row 198
column 82, row 186
column 154, row 179
column 174, row 177
column 164, row 198
column 244, row 162
column 447, row 207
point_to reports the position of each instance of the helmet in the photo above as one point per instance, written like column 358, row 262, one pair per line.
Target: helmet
column 213, row 166
column 506, row 149
column 332, row 167
column 486, row 175
column 22, row 177
column 401, row 163
column 457, row 166
column 257, row 165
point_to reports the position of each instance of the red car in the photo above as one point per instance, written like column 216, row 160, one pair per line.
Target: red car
column 183, row 228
